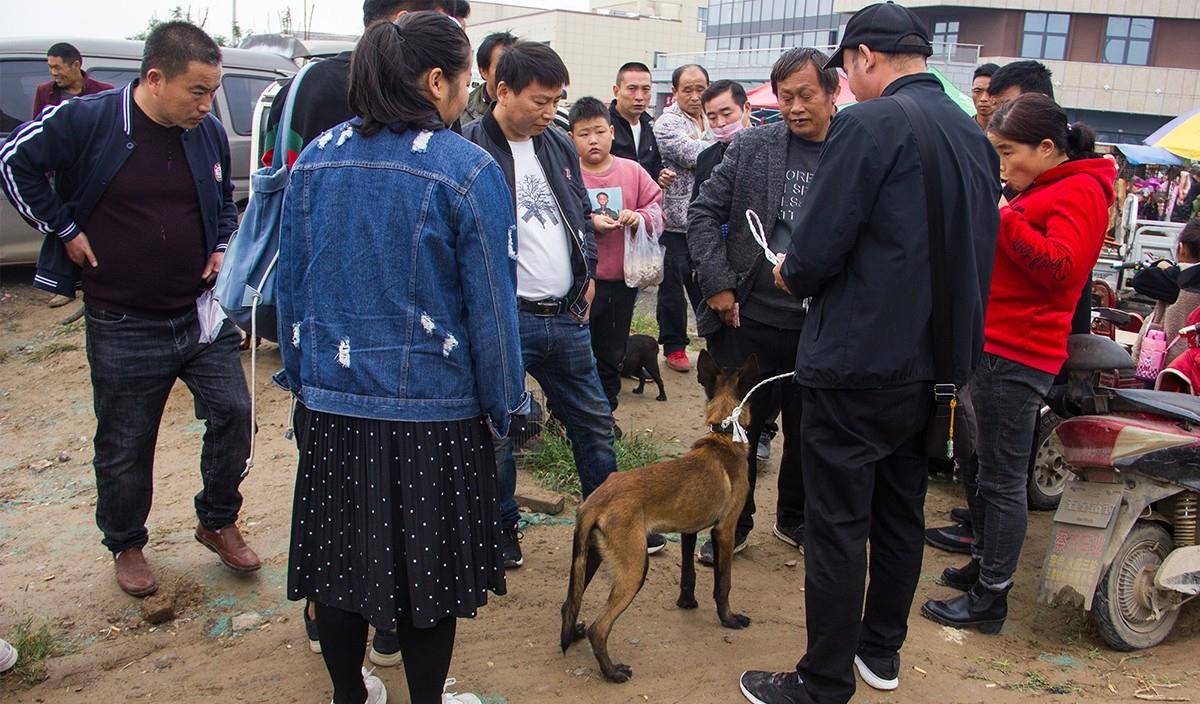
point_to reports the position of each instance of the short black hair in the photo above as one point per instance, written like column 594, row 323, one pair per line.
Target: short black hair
column 67, row 52
column 587, row 109
column 387, row 65
column 1028, row 76
column 173, row 45
column 794, row 60
column 376, row 10
column 677, row 74
column 722, row 86
column 461, row 10
column 526, row 63
column 631, row 67
column 483, row 57
column 986, row 70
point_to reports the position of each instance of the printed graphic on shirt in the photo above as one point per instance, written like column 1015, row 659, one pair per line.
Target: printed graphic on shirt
column 535, row 201
column 605, row 201
column 795, row 186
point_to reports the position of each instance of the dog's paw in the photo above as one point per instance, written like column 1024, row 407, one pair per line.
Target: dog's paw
column 661, row 397
column 637, row 391
column 619, row 673
column 736, row 621
column 687, row 601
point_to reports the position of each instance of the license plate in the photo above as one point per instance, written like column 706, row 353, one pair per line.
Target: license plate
column 1089, row 504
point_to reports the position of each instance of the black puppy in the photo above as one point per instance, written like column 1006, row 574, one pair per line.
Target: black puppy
column 641, row 363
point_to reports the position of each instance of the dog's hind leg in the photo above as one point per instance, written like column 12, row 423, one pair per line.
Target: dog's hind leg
column 722, row 536
column 628, row 563
column 641, row 377
column 656, row 374
column 687, row 576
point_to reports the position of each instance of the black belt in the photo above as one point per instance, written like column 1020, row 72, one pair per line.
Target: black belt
column 545, row 308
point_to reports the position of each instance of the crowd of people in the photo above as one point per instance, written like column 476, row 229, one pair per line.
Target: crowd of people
column 898, row 257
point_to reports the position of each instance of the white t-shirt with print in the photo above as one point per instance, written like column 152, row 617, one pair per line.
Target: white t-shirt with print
column 544, row 259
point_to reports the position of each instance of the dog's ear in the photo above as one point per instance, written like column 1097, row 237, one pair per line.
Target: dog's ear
column 747, row 376
column 707, row 371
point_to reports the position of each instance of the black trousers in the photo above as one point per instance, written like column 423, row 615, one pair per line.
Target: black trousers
column 673, row 304
column 612, row 314
column 775, row 349
column 865, row 476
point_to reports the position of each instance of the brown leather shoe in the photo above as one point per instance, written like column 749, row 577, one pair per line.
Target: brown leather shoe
column 133, row 574
column 230, row 547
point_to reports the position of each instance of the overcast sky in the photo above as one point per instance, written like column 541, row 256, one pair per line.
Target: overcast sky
column 120, row 18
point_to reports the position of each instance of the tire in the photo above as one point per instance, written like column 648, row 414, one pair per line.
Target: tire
column 1048, row 472
column 1121, row 608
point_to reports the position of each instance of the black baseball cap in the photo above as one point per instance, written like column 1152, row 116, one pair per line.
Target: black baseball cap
column 885, row 27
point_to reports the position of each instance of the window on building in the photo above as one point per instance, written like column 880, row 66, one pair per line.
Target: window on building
column 1127, row 40
column 1045, row 35
column 702, row 19
column 945, row 36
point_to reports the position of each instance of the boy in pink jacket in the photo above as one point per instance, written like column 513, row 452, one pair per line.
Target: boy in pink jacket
column 621, row 187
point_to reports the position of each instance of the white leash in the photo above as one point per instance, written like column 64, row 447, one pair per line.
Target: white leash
column 738, row 432
column 760, row 236
column 254, row 301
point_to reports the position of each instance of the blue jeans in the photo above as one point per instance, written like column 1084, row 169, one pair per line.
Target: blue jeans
column 134, row 364
column 1006, row 397
column 557, row 352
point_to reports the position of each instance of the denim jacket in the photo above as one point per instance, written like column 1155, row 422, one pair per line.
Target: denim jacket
column 397, row 280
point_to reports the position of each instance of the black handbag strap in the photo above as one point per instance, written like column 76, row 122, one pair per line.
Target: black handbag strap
column 943, row 357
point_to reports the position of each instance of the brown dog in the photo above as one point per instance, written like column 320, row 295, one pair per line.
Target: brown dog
column 703, row 489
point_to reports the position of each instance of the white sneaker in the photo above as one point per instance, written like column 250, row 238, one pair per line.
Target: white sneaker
column 376, row 692
column 885, row 682
column 456, row 698
column 8, row 656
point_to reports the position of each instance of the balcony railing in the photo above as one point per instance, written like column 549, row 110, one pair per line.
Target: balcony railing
column 944, row 54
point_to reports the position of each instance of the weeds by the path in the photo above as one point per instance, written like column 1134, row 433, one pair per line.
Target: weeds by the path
column 550, row 460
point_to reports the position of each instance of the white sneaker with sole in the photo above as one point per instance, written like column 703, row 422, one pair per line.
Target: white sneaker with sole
column 873, row 680
column 8, row 656
column 455, row 697
column 376, row 692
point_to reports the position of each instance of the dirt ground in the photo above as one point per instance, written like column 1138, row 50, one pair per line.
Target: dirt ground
column 238, row 638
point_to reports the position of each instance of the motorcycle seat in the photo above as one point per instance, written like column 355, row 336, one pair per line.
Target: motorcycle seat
column 1179, row 406
column 1089, row 353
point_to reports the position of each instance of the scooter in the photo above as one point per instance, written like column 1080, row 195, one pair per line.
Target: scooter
column 1124, row 539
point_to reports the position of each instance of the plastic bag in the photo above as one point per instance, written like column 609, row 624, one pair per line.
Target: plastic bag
column 643, row 259
column 1152, row 356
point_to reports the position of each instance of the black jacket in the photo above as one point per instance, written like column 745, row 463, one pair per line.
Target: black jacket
column 647, row 153
column 861, row 247
column 560, row 162
column 84, row 142
column 705, row 163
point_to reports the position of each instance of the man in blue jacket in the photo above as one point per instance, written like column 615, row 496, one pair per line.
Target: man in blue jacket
column 140, row 214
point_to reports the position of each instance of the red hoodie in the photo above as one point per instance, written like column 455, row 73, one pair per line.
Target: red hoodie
column 1050, row 238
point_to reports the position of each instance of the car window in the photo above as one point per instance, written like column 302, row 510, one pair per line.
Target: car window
column 241, row 93
column 19, row 80
column 18, row 85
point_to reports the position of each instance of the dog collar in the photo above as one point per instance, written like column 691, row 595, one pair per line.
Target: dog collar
column 718, row 428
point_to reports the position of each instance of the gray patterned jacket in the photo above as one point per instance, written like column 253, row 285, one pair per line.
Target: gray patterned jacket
column 673, row 131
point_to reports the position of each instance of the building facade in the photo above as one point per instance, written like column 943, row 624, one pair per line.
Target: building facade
column 595, row 43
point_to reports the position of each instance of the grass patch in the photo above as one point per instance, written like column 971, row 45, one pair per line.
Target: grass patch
column 34, row 646
column 1037, row 682
column 49, row 350
column 550, row 460
column 644, row 324
column 1001, row 666
column 70, row 328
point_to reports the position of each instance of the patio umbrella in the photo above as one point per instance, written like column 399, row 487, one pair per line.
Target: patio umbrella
column 1180, row 136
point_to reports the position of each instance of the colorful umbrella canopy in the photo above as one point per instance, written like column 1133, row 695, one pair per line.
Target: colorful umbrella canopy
column 1180, row 136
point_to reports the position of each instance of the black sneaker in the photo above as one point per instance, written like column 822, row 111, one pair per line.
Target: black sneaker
column 655, row 543
column 878, row 673
column 310, row 629
column 510, row 546
column 956, row 538
column 961, row 514
column 792, row 535
column 761, row 687
column 706, row 550
column 385, row 649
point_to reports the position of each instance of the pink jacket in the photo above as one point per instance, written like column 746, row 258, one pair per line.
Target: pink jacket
column 640, row 194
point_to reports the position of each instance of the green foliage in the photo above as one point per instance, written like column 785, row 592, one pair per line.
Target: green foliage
column 550, row 460
column 34, row 646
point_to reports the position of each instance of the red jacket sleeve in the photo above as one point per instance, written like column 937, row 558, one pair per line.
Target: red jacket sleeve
column 1053, row 256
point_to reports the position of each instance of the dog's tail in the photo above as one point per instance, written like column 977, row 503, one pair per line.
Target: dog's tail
column 584, row 525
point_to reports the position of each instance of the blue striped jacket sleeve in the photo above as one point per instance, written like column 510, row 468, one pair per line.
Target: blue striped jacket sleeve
column 33, row 150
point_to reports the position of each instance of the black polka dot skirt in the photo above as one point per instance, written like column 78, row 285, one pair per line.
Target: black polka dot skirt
column 394, row 519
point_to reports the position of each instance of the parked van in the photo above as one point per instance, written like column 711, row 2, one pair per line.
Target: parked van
column 245, row 75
